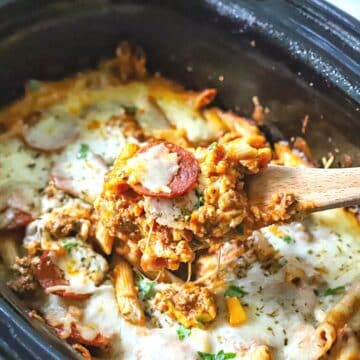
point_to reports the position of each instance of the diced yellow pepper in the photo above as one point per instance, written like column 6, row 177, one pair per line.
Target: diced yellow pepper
column 237, row 314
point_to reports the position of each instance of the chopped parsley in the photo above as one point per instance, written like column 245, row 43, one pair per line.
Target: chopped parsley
column 182, row 332
column 335, row 291
column 69, row 244
column 83, row 151
column 213, row 145
column 146, row 288
column 221, row 355
column 240, row 229
column 131, row 110
column 288, row 239
column 269, row 328
column 34, row 85
column 200, row 202
column 235, row 291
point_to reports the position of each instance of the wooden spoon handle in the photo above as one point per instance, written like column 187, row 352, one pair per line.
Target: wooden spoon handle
column 315, row 189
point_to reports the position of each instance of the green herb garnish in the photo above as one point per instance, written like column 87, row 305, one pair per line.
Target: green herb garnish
column 200, row 202
column 240, row 229
column 69, row 244
column 213, row 145
column 335, row 291
column 235, row 291
column 84, row 149
column 131, row 110
column 288, row 239
column 182, row 332
column 221, row 355
column 33, row 85
column 146, row 288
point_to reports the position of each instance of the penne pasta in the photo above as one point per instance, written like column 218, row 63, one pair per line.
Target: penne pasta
column 104, row 239
column 342, row 312
column 336, row 319
column 346, row 347
column 126, row 293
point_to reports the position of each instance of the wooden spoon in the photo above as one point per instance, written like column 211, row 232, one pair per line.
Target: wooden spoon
column 314, row 189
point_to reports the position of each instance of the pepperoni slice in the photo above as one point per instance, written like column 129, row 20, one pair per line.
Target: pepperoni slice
column 98, row 341
column 17, row 207
column 76, row 337
column 184, row 179
column 49, row 275
column 50, row 132
column 17, row 219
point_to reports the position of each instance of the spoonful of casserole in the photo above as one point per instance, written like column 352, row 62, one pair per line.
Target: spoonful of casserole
column 169, row 201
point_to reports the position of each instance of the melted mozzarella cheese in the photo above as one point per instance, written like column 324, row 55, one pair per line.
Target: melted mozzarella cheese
column 19, row 195
column 185, row 117
column 103, row 111
column 149, row 115
column 134, row 95
column 103, row 138
column 269, row 305
column 82, row 176
column 99, row 314
column 154, row 168
column 300, row 342
column 20, row 164
column 37, row 233
column 106, row 142
column 281, row 314
column 23, row 172
column 101, row 309
column 332, row 248
column 171, row 212
column 159, row 343
column 54, row 309
column 54, row 130
column 83, row 268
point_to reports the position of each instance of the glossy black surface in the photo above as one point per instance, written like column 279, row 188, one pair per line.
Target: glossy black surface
column 305, row 62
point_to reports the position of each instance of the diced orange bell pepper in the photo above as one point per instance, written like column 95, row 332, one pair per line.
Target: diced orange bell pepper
column 237, row 314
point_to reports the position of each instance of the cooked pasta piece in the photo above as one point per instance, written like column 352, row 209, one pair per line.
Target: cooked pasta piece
column 336, row 319
column 346, row 346
column 126, row 293
column 341, row 313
